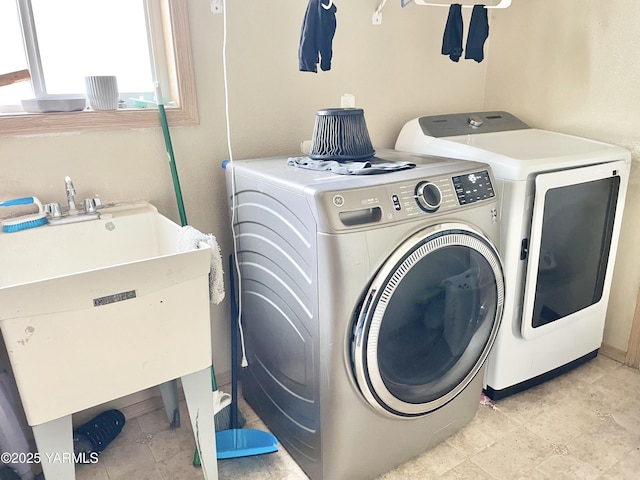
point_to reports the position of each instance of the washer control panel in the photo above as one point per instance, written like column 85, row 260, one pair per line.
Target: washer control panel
column 473, row 187
column 411, row 198
column 428, row 196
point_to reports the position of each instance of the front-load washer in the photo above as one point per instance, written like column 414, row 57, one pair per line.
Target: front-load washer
column 562, row 200
column 369, row 304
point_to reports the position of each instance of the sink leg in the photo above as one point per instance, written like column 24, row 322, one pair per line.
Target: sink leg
column 169, row 391
column 54, row 440
column 199, row 397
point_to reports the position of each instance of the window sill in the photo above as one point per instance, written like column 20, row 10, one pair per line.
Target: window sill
column 90, row 120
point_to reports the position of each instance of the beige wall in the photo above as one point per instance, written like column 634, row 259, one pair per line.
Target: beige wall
column 572, row 66
column 395, row 71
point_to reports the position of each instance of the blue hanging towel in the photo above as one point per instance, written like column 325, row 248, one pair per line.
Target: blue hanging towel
column 452, row 38
column 478, row 33
column 316, row 37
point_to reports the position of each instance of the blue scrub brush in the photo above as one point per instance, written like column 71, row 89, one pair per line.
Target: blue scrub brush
column 24, row 222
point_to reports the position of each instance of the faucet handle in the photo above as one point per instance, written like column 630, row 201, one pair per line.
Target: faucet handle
column 53, row 209
column 91, row 204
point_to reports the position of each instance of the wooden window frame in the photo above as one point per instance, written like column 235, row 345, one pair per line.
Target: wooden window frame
column 182, row 84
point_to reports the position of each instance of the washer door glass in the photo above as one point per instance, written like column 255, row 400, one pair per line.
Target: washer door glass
column 428, row 320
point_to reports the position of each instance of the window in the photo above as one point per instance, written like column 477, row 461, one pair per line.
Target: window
column 171, row 46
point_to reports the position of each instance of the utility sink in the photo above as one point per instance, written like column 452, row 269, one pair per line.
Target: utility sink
column 96, row 310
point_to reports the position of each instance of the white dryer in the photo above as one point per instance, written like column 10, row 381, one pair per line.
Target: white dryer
column 369, row 304
column 562, row 200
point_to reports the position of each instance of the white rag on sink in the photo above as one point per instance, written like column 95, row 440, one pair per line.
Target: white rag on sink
column 188, row 240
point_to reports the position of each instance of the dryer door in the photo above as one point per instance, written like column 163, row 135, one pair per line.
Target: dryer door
column 428, row 320
column 574, row 234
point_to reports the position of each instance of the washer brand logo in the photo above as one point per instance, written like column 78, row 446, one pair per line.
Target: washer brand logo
column 338, row 200
column 116, row 297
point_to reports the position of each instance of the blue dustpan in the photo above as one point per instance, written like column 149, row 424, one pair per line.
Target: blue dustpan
column 244, row 442
column 240, row 442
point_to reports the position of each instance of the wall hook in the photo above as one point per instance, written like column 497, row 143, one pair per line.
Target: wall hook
column 377, row 15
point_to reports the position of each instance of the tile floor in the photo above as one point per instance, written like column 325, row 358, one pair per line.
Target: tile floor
column 581, row 426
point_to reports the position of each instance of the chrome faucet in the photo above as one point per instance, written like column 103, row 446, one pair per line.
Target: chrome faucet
column 56, row 215
column 71, row 196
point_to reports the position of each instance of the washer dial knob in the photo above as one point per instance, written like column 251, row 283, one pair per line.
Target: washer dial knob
column 428, row 196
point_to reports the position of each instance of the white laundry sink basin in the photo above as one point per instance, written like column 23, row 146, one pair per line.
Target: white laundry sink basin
column 97, row 310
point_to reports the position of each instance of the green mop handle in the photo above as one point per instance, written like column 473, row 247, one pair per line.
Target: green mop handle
column 172, row 160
